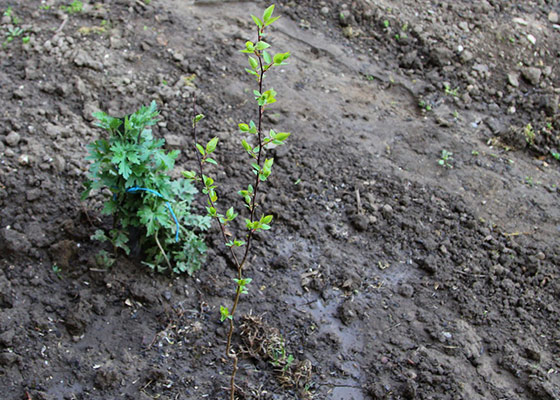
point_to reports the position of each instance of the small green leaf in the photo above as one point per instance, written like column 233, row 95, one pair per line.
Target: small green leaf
column 224, row 314
column 99, row 235
column 230, row 214
column 249, row 48
column 197, row 119
column 208, row 182
column 267, row 219
column 253, row 127
column 250, row 71
column 244, row 127
column 270, row 21
column 200, row 149
column 211, row 146
column 189, row 174
column 246, row 146
column 266, row 57
column 253, row 62
column 211, row 161
column 280, row 58
column 257, row 20
column 268, row 13
column 281, row 136
column 262, row 45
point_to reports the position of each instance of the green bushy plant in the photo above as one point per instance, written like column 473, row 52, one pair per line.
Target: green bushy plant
column 130, row 167
column 256, row 142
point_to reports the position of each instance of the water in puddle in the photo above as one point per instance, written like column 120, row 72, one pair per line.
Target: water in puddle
column 347, row 387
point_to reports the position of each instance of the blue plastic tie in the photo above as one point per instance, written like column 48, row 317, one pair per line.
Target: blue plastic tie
column 137, row 189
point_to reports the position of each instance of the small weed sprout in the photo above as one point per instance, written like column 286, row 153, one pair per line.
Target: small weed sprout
column 450, row 92
column 445, row 159
column 150, row 211
column 57, row 271
column 425, row 106
column 10, row 13
column 75, row 7
column 529, row 134
column 11, row 34
column 255, row 144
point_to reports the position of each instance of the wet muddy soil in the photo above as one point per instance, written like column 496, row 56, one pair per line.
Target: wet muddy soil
column 387, row 275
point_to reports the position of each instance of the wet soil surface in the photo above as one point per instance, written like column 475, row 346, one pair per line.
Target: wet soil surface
column 386, row 275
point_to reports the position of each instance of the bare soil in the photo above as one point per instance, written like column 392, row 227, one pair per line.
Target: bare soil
column 386, row 275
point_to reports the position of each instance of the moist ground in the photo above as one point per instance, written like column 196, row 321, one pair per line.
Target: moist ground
column 386, row 274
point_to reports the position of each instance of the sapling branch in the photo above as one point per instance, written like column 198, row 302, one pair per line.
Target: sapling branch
column 260, row 61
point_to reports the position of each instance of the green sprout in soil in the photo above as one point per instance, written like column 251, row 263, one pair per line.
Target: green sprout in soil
column 450, row 92
column 11, row 34
column 529, row 134
column 151, row 212
column 75, row 7
column 425, row 106
column 256, row 142
column 10, row 13
column 445, row 159
column 57, row 271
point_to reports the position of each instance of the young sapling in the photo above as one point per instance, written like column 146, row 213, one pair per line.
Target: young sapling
column 260, row 61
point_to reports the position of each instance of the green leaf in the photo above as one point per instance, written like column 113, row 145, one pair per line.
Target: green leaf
column 270, row 21
column 230, row 214
column 280, row 58
column 266, row 57
column 262, row 45
column 257, row 20
column 253, row 62
column 246, row 146
column 197, row 119
column 253, row 127
column 250, row 71
column 211, row 161
column 189, row 174
column 244, row 127
column 249, row 48
column 200, row 149
column 267, row 219
column 268, row 13
column 208, row 182
column 99, row 235
column 211, row 146
column 281, row 136
column 224, row 314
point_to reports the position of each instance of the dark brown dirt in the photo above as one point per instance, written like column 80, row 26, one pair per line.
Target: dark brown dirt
column 385, row 276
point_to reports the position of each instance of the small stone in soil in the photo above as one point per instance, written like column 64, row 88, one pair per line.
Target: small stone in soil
column 13, row 139
column 532, row 75
column 405, row 290
column 513, row 79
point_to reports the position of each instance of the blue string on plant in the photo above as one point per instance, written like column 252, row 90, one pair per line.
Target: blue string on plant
column 138, row 189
